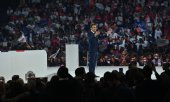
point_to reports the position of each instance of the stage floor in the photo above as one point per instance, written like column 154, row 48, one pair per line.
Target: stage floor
column 100, row 70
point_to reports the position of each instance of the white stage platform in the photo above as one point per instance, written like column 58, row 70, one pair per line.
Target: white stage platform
column 100, row 70
column 20, row 62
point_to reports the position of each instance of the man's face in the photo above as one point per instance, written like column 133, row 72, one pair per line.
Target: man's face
column 94, row 28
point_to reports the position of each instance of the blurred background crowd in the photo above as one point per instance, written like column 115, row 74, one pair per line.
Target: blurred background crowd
column 131, row 30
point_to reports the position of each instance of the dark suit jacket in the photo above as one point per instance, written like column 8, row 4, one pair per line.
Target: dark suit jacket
column 92, row 41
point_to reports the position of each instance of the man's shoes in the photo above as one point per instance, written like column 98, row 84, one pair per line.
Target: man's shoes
column 96, row 76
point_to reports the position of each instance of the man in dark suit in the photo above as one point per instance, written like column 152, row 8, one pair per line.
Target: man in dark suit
column 93, row 47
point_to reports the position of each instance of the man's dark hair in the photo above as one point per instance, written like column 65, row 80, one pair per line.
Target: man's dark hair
column 62, row 72
column 15, row 77
column 92, row 24
column 80, row 71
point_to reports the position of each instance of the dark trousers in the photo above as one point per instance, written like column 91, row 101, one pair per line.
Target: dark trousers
column 92, row 60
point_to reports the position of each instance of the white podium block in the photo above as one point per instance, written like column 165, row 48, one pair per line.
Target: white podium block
column 72, row 56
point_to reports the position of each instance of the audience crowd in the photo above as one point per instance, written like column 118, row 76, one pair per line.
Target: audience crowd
column 135, row 85
column 131, row 30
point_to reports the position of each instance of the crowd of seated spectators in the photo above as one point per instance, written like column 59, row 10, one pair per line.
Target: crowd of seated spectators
column 130, row 29
column 135, row 85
